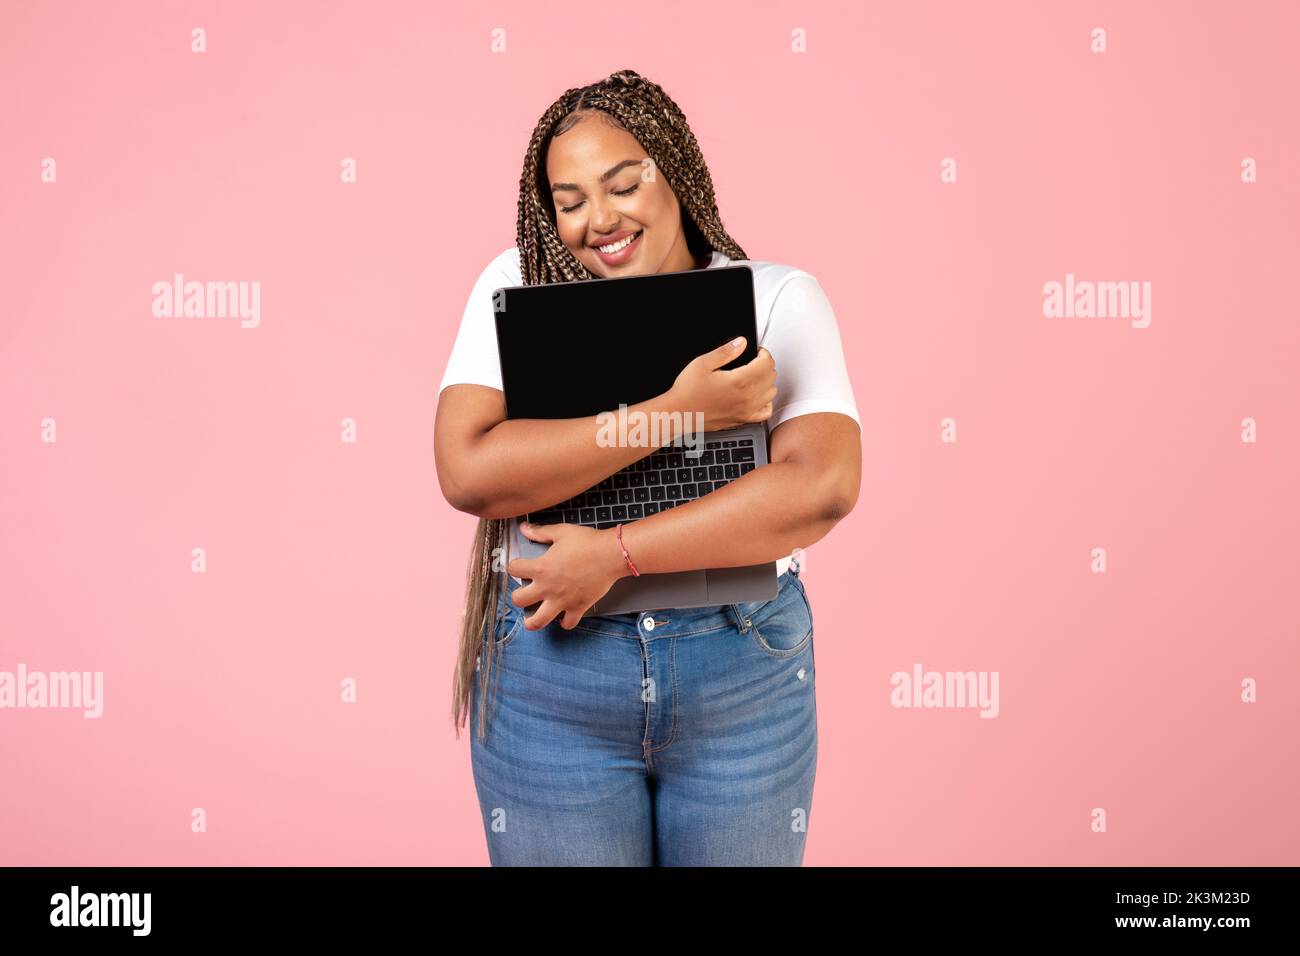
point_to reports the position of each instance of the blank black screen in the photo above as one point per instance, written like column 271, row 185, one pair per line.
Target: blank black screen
column 575, row 349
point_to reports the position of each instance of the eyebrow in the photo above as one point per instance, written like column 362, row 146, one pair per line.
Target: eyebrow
column 555, row 187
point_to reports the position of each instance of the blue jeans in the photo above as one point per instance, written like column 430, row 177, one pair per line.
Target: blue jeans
column 679, row 737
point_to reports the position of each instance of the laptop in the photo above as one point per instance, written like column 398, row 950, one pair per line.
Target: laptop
column 577, row 349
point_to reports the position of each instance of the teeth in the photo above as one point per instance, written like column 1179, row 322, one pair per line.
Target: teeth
column 615, row 246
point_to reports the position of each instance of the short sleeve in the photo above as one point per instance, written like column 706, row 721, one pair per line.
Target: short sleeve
column 804, row 339
column 474, row 359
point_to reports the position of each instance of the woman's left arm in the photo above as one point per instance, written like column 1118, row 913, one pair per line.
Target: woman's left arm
column 811, row 483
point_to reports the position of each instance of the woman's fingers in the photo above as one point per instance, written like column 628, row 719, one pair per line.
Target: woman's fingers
column 543, row 615
column 523, row 569
column 551, row 610
column 525, row 595
column 571, row 617
column 554, row 611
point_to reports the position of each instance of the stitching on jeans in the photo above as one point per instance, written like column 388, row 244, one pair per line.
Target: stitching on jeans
column 637, row 637
column 803, row 593
column 672, row 677
column 780, row 653
column 509, row 636
column 648, row 709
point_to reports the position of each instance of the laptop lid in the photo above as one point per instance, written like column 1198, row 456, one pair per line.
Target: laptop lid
column 575, row 349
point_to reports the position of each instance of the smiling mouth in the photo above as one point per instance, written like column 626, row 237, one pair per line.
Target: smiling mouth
column 616, row 247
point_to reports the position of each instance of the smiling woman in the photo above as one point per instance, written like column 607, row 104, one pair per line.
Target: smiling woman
column 636, row 167
column 682, row 736
column 624, row 216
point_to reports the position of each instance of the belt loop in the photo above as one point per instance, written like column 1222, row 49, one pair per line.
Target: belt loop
column 742, row 622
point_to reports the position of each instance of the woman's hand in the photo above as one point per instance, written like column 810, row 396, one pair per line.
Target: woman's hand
column 727, row 398
column 576, row 571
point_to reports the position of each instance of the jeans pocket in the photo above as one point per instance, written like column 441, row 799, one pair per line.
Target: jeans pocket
column 783, row 627
column 507, row 624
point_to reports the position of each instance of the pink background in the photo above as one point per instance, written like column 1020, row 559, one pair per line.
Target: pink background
column 328, row 560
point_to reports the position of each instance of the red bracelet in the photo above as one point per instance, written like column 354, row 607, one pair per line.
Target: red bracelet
column 618, row 533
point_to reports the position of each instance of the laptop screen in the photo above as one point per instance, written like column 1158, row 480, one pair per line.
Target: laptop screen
column 575, row 349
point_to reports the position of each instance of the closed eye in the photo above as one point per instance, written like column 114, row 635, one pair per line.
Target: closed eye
column 617, row 192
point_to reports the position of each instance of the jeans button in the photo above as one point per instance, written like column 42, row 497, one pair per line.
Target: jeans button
column 648, row 623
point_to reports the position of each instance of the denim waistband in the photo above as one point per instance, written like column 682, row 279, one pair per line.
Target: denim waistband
column 675, row 622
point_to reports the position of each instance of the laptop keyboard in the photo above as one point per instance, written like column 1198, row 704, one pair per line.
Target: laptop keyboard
column 663, row 479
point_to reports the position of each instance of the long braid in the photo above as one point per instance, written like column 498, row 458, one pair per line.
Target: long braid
column 658, row 123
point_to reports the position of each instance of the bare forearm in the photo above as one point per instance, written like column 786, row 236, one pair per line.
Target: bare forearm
column 527, row 464
column 760, row 517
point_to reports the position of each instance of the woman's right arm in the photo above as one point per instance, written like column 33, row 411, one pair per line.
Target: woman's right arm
column 494, row 467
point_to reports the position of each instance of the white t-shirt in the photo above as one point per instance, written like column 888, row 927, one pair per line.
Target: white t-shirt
column 795, row 323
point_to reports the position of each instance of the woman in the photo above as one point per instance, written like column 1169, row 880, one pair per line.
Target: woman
column 671, row 737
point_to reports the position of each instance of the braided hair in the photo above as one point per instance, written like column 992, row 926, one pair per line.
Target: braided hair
column 644, row 110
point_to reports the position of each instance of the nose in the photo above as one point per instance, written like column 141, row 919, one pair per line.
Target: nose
column 604, row 217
